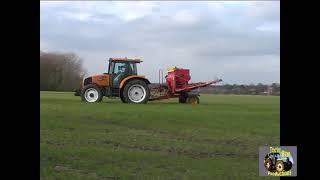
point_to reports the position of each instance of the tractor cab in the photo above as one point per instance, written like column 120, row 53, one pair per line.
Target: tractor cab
column 120, row 68
column 273, row 156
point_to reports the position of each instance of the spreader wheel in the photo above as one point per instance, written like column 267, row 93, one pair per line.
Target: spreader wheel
column 182, row 99
column 193, row 99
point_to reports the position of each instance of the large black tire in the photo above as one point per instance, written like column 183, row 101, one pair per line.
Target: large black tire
column 182, row 99
column 121, row 97
column 288, row 166
column 193, row 99
column 138, row 88
column 268, row 165
column 91, row 93
column 280, row 166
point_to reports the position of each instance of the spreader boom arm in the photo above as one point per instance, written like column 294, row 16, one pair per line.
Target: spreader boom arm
column 192, row 86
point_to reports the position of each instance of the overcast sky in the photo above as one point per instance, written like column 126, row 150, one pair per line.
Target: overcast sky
column 238, row 41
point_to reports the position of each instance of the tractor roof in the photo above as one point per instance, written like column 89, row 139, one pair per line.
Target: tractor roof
column 125, row 59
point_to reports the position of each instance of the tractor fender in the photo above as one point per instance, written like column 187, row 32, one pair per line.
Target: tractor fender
column 123, row 82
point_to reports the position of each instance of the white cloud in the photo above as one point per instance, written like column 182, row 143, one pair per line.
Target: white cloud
column 52, row 4
column 44, row 46
column 264, row 9
column 132, row 9
column 270, row 27
column 184, row 17
column 237, row 40
column 125, row 10
column 78, row 16
column 216, row 6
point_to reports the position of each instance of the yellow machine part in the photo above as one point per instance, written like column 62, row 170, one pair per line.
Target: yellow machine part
column 172, row 69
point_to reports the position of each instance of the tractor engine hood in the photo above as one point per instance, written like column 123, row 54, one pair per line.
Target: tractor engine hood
column 99, row 79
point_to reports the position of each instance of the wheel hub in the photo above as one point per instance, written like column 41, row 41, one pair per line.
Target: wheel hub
column 279, row 167
column 91, row 95
column 136, row 93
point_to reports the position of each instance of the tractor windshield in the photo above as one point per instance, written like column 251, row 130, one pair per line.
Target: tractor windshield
column 127, row 67
column 277, row 155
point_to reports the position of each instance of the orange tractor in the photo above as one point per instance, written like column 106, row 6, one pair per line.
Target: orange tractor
column 123, row 81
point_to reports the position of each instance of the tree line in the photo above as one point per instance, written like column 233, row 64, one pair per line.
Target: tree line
column 60, row 71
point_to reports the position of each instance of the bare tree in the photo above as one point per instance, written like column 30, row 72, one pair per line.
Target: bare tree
column 60, row 71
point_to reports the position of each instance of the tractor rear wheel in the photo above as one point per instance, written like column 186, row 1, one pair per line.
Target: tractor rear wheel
column 193, row 99
column 91, row 93
column 121, row 97
column 280, row 166
column 136, row 91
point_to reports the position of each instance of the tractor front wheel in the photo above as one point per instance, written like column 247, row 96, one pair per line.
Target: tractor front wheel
column 268, row 164
column 136, row 91
column 91, row 93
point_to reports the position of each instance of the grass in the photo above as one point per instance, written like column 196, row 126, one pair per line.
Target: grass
column 217, row 139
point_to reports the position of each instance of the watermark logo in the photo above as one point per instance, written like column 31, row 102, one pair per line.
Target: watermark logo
column 278, row 161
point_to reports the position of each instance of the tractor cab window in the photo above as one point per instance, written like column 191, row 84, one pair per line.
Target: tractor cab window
column 120, row 71
column 132, row 68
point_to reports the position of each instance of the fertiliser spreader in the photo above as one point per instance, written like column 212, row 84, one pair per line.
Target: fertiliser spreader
column 177, row 85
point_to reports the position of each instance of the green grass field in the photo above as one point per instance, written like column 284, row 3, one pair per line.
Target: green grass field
column 217, row 139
